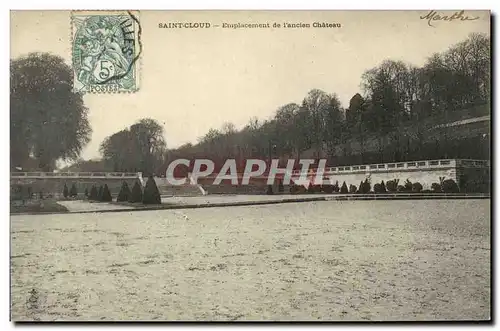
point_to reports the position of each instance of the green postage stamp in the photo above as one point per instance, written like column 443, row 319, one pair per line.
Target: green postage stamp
column 106, row 47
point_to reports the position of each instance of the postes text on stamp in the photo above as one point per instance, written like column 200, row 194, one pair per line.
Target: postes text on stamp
column 106, row 47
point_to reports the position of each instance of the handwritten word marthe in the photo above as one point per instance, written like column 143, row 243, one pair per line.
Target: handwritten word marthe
column 435, row 16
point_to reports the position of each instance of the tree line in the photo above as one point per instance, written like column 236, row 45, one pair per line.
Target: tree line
column 398, row 102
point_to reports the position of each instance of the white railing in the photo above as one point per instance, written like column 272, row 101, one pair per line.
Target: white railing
column 394, row 166
column 385, row 167
column 410, row 165
column 398, row 166
column 110, row 175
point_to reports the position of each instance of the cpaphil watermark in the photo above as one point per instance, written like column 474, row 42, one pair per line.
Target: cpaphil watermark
column 310, row 172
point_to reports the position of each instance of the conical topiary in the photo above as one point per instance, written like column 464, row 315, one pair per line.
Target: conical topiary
column 73, row 192
column 125, row 193
column 151, row 194
column 99, row 194
column 382, row 187
column 106, row 194
column 449, row 186
column 65, row 191
column 336, row 187
column 367, row 187
column 344, row 189
column 136, row 195
column 93, row 193
column 281, row 187
column 269, row 190
column 361, row 188
column 352, row 189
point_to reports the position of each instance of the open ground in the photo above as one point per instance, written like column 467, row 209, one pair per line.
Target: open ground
column 331, row 260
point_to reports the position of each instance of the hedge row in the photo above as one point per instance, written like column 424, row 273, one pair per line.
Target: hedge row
column 72, row 193
column 102, row 194
column 150, row 194
column 392, row 186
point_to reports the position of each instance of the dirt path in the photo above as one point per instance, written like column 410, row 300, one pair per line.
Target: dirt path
column 79, row 206
column 336, row 260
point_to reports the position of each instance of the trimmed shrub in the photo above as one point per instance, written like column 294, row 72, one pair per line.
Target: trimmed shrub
column 313, row 188
column 367, row 187
column 281, row 187
column 327, row 188
column 106, row 194
column 408, row 186
column 436, row 188
column 353, row 189
column 136, row 195
column 344, row 189
column 382, row 187
column 73, row 192
column 151, row 194
column 377, row 188
column 364, row 187
column 297, row 189
column 124, row 194
column 93, row 193
column 86, row 192
column 450, row 186
column 336, row 187
column 269, row 190
column 416, row 187
column 65, row 191
column 401, row 188
column 99, row 193
column 360, row 188
column 392, row 185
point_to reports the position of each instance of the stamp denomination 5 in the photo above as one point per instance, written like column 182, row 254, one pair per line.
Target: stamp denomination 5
column 105, row 50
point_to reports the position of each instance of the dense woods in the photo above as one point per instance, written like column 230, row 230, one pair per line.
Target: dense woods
column 395, row 117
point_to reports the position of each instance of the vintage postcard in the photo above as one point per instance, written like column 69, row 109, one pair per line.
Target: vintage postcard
column 250, row 165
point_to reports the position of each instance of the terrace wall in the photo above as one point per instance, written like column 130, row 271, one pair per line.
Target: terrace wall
column 470, row 175
column 53, row 183
column 425, row 172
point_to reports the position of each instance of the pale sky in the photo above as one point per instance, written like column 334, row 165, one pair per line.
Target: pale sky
column 194, row 80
